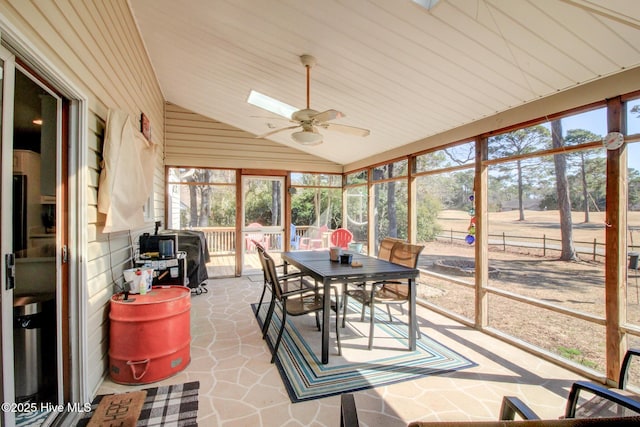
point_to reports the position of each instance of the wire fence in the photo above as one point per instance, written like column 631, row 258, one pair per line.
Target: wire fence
column 593, row 250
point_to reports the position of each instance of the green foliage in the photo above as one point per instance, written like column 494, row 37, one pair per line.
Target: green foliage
column 223, row 207
column 259, row 196
column 317, row 206
column 428, row 210
column 519, row 142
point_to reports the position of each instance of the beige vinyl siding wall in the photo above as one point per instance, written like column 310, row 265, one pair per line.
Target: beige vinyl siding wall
column 96, row 46
column 197, row 141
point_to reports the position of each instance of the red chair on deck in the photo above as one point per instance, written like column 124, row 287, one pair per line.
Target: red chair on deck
column 341, row 237
column 257, row 236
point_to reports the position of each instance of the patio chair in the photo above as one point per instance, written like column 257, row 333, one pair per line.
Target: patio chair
column 313, row 237
column 386, row 247
column 294, row 238
column 390, row 292
column 255, row 236
column 341, row 237
column 298, row 302
column 623, row 387
column 626, row 365
column 628, row 413
column 600, row 402
column 267, row 285
column 357, row 289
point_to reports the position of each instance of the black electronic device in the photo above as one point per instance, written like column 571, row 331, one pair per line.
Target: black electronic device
column 163, row 246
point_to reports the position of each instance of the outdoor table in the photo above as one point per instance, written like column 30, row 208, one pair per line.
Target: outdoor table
column 318, row 265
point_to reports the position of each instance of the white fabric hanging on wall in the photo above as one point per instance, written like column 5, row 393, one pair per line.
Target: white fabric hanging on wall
column 126, row 179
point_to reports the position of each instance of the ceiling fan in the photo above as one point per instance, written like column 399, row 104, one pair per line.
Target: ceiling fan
column 310, row 120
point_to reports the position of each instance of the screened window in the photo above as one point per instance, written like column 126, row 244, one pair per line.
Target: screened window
column 201, row 198
column 390, row 201
column 316, row 208
column 391, row 170
column 546, row 230
column 357, row 178
column 633, row 215
column 633, row 117
column 572, row 130
column 458, row 155
column 316, row 180
column 357, row 207
column 443, row 206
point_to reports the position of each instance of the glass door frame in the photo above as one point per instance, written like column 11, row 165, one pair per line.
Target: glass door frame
column 7, row 391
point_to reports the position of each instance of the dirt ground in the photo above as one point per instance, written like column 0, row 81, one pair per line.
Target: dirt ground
column 576, row 286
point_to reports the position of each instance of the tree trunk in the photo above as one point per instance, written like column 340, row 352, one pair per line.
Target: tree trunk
column 316, row 206
column 205, row 201
column 193, row 203
column 376, row 213
column 585, row 190
column 275, row 203
column 568, row 252
column 520, row 191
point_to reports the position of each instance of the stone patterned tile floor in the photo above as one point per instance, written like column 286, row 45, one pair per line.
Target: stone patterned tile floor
column 240, row 387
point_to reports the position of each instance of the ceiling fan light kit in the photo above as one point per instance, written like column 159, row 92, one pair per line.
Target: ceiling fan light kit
column 308, row 119
column 305, row 137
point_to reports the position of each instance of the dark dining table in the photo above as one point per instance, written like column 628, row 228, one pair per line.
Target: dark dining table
column 317, row 264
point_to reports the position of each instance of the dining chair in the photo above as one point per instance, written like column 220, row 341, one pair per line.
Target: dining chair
column 267, row 286
column 393, row 292
column 341, row 237
column 298, row 302
column 357, row 290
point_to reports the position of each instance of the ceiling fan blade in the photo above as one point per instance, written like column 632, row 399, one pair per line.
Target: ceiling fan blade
column 325, row 116
column 351, row 130
column 264, row 135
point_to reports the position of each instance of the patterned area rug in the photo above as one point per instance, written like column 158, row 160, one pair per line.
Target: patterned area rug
column 168, row 406
column 358, row 368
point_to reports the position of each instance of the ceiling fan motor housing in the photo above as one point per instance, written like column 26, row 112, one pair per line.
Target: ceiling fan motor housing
column 304, row 115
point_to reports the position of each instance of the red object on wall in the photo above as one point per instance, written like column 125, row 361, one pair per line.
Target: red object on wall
column 150, row 336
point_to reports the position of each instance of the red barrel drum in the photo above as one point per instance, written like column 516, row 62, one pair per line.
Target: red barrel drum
column 150, row 337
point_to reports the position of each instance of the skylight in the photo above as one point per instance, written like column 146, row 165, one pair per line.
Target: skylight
column 427, row 4
column 273, row 105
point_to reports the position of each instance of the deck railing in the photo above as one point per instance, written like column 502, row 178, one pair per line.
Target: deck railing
column 222, row 240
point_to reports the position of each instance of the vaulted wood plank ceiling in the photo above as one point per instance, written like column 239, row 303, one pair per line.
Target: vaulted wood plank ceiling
column 391, row 66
